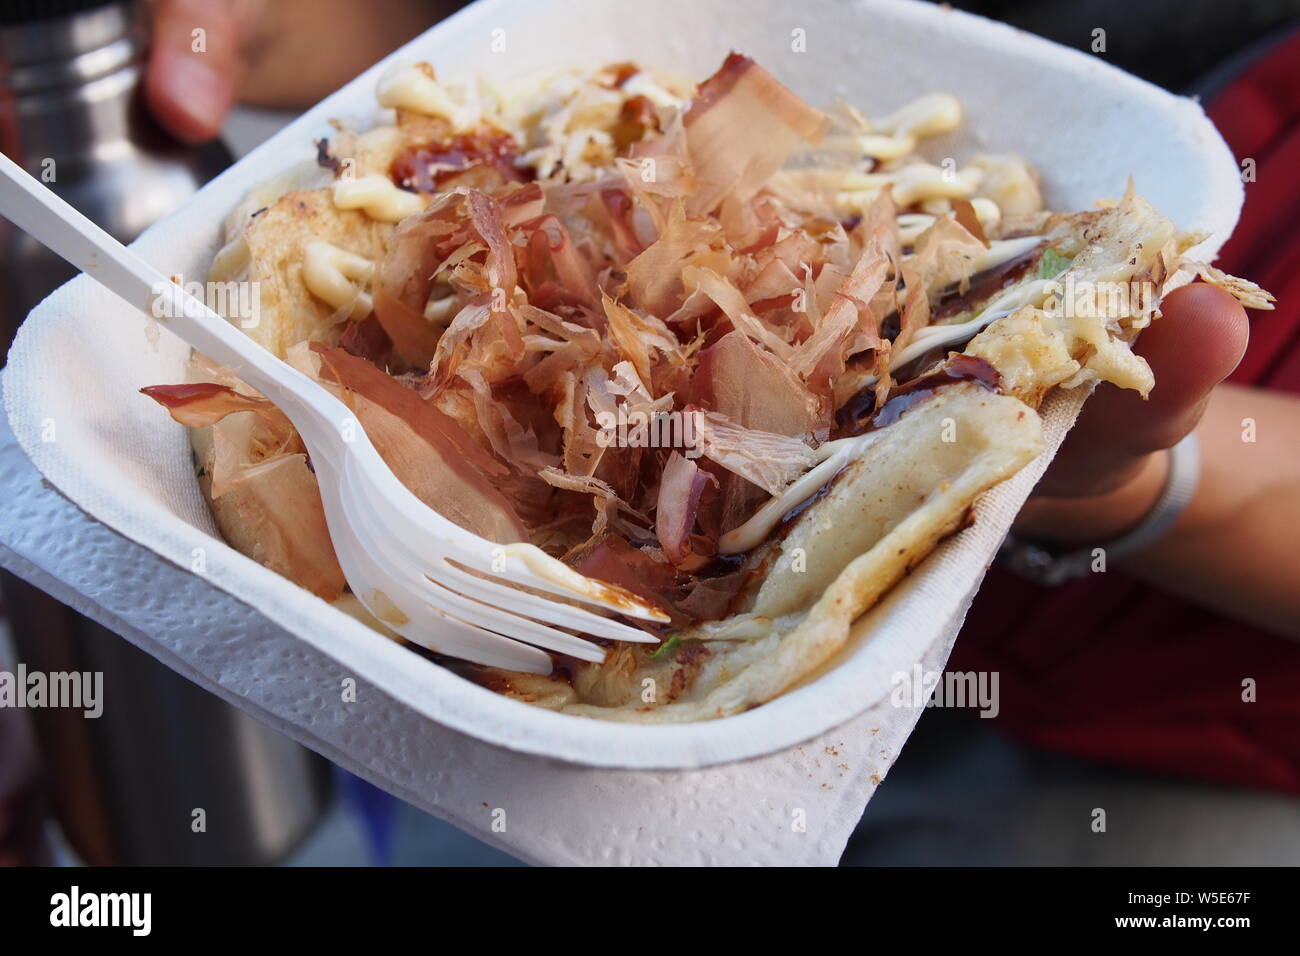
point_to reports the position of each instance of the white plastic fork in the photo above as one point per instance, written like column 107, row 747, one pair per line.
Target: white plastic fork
column 425, row 577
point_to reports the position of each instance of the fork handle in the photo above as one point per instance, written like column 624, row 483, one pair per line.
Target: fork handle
column 313, row 410
column 56, row 225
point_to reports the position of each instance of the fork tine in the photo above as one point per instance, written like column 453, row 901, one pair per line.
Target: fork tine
column 423, row 624
column 430, row 614
column 395, row 507
column 509, row 599
column 521, row 628
column 385, row 509
column 530, row 565
column 426, row 625
column 448, row 635
column 392, row 557
column 580, row 619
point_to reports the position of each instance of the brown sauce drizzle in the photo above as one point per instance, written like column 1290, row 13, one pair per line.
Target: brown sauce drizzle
column 620, row 73
column 859, row 414
column 636, row 118
column 988, row 284
column 426, row 166
column 788, row 519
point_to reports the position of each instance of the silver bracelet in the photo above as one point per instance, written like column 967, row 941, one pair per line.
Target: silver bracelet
column 1043, row 565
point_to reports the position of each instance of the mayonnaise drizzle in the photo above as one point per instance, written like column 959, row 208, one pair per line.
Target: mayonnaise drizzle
column 408, row 87
column 912, row 224
column 377, row 196
column 896, row 134
column 932, row 336
column 832, row 456
column 1002, row 251
column 338, row 277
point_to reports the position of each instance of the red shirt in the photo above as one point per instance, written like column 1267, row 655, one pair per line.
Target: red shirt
column 1110, row 669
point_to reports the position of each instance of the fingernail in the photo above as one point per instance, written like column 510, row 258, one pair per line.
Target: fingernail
column 199, row 91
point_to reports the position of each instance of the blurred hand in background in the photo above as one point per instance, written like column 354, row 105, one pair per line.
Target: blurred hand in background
column 283, row 54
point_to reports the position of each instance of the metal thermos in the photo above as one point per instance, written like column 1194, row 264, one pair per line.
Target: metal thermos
column 126, row 786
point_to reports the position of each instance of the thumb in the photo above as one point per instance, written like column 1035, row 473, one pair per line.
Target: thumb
column 1197, row 342
column 193, row 66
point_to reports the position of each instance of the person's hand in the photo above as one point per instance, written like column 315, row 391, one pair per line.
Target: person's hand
column 191, row 80
column 285, row 54
column 1111, row 469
